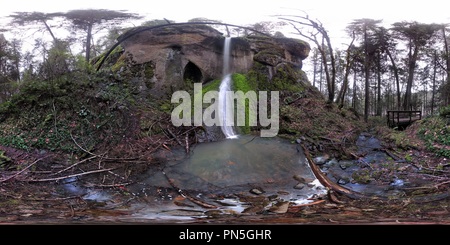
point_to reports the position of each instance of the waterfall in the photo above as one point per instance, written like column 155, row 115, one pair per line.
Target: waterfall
column 226, row 111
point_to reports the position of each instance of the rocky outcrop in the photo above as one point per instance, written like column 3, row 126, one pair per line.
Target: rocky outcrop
column 172, row 56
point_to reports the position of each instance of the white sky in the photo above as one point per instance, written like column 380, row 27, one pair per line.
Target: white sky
column 334, row 14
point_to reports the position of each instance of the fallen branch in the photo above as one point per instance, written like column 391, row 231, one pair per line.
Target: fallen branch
column 306, row 204
column 120, row 185
column 174, row 136
column 324, row 180
column 21, row 171
column 79, row 146
column 442, row 183
column 71, row 176
column 101, row 155
column 73, row 165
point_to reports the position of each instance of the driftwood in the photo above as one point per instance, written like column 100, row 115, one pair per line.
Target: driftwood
column 323, row 179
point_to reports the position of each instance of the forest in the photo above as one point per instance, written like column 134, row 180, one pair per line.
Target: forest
column 71, row 107
column 401, row 67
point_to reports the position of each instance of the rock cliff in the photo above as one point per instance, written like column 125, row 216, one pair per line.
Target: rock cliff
column 167, row 59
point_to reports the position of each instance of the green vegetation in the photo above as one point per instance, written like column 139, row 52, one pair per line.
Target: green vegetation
column 54, row 114
column 435, row 131
column 239, row 84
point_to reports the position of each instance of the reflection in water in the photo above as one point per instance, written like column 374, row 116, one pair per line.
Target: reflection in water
column 224, row 172
column 243, row 161
column 242, row 175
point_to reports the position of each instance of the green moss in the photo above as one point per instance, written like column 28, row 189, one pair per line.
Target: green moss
column 112, row 57
column 363, row 176
column 240, row 84
column 121, row 62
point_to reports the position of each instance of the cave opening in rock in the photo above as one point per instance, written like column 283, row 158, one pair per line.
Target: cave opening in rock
column 192, row 73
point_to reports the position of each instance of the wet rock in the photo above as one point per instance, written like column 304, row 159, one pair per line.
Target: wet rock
column 298, row 141
column 345, row 164
column 343, row 181
column 257, row 191
column 283, row 192
column 332, row 162
column 397, row 182
column 280, row 207
column 320, row 160
column 299, row 186
column 272, row 197
column 299, row 178
column 214, row 213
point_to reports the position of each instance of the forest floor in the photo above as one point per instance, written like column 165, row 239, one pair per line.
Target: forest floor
column 28, row 199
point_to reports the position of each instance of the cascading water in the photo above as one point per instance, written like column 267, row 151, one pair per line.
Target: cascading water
column 226, row 110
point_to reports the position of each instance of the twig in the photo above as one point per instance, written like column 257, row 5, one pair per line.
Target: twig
column 21, row 171
column 442, row 183
column 71, row 176
column 174, row 136
column 101, row 155
column 109, row 186
column 73, row 165
column 79, row 146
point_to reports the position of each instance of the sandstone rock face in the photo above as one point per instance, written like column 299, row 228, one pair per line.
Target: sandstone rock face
column 194, row 53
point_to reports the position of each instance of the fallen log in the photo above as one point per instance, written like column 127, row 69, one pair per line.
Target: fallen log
column 323, row 179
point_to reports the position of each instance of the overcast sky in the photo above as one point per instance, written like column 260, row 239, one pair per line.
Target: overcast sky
column 334, row 14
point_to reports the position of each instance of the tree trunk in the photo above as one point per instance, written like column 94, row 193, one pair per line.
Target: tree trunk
column 446, row 92
column 434, row 82
column 348, row 65
column 50, row 31
column 411, row 69
column 354, row 99
column 88, row 43
column 367, row 76
column 397, row 80
column 378, row 112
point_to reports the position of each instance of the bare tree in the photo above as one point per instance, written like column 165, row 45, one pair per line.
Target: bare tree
column 319, row 36
column 349, row 59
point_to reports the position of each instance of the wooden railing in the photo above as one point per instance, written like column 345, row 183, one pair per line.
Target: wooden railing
column 402, row 118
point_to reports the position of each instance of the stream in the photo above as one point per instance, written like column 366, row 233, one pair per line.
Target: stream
column 242, row 176
column 247, row 175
